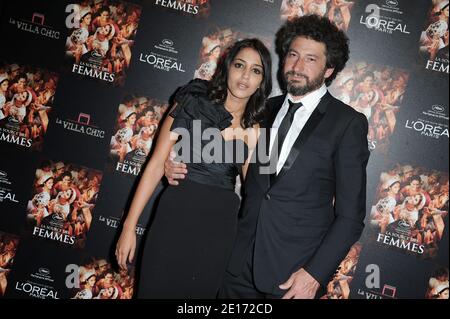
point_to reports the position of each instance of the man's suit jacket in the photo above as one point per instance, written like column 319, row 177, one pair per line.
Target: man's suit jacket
column 313, row 212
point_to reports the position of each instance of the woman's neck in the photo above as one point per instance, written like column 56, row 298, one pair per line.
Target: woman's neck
column 235, row 106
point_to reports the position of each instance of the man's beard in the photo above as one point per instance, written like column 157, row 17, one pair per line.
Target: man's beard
column 295, row 89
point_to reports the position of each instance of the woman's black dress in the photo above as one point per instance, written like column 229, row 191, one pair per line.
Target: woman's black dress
column 191, row 237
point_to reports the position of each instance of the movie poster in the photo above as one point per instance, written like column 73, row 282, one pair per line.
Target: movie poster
column 377, row 91
column 62, row 201
column 136, row 126
column 339, row 287
column 26, row 99
column 213, row 46
column 410, row 210
column 98, row 280
column 434, row 37
column 101, row 38
column 438, row 284
column 338, row 11
column 8, row 248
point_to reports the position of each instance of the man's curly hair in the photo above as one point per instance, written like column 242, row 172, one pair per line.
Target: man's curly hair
column 319, row 29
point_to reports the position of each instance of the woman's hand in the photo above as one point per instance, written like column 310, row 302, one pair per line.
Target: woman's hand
column 174, row 170
column 126, row 247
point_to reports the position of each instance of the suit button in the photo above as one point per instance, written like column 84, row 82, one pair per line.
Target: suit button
column 268, row 196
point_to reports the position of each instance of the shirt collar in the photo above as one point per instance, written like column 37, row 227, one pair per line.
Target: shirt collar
column 310, row 100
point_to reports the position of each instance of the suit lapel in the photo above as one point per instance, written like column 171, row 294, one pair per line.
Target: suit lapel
column 273, row 105
column 309, row 127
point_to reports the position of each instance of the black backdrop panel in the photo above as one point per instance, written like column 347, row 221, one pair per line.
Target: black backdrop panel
column 17, row 170
column 389, row 35
column 34, row 31
column 83, row 120
column 163, row 58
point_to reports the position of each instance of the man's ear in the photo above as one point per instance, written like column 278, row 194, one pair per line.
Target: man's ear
column 329, row 72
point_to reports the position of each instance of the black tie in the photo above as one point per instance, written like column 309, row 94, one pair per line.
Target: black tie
column 283, row 129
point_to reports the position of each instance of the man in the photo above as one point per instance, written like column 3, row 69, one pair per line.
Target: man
column 298, row 224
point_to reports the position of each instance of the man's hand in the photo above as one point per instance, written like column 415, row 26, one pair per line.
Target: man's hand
column 174, row 170
column 301, row 285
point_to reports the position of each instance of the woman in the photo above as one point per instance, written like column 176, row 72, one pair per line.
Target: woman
column 382, row 213
column 100, row 40
column 291, row 9
column 76, row 44
column 193, row 231
column 433, row 38
column 346, row 89
column 17, row 108
column 209, row 65
column 88, row 281
column 339, row 13
column 120, row 142
column 38, row 115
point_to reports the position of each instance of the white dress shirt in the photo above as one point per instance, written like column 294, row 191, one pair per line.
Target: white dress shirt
column 301, row 116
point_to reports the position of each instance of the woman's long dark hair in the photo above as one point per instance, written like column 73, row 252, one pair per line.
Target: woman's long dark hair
column 217, row 90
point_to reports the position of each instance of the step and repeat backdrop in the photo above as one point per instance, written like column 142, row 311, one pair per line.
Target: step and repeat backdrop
column 84, row 85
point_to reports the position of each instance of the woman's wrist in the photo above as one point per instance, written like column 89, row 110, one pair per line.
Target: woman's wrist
column 129, row 227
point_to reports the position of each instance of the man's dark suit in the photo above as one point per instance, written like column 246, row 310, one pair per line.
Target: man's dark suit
column 314, row 210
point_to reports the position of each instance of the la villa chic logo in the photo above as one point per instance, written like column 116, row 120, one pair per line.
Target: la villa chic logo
column 114, row 222
column 82, row 125
column 35, row 24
